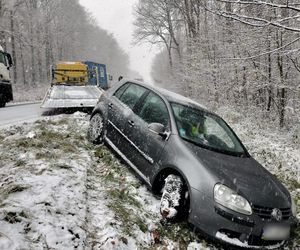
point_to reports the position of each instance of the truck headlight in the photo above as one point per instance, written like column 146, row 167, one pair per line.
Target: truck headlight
column 294, row 208
column 230, row 199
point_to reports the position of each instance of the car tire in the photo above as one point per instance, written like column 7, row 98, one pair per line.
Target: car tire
column 173, row 203
column 95, row 130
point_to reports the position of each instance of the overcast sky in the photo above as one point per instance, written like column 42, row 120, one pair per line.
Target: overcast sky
column 116, row 16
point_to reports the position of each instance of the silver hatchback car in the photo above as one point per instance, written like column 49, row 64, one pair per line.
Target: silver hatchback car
column 196, row 162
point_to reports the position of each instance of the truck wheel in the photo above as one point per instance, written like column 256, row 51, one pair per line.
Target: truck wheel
column 2, row 101
column 173, row 203
column 95, row 130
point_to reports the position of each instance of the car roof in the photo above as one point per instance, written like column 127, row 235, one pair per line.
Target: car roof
column 171, row 96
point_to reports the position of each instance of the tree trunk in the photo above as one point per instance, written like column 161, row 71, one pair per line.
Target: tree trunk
column 281, row 90
column 270, row 81
column 282, row 104
column 40, row 65
column 33, row 75
column 23, row 66
column 245, row 95
column 13, row 46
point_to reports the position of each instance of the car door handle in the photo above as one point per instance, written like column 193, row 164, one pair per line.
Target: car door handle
column 110, row 105
column 131, row 123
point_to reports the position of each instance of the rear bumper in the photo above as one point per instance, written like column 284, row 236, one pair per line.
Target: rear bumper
column 6, row 91
column 228, row 226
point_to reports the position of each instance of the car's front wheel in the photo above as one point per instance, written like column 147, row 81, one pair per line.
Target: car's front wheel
column 95, row 130
column 173, row 204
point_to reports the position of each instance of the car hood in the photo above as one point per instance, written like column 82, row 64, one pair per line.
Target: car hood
column 244, row 175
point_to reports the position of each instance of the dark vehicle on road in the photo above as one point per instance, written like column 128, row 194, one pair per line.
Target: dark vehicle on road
column 6, row 93
column 195, row 160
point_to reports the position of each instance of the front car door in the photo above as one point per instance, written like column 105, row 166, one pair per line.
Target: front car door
column 146, row 145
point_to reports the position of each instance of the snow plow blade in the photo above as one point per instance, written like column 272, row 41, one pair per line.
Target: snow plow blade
column 65, row 96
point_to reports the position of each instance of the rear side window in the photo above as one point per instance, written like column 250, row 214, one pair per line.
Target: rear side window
column 154, row 110
column 131, row 95
column 120, row 90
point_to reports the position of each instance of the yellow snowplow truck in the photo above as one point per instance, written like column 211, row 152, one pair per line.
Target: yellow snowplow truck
column 71, row 87
column 73, row 73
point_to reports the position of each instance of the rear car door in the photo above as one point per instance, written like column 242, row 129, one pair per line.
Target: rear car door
column 120, row 108
column 146, row 145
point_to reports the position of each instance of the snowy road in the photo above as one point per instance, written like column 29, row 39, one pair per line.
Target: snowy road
column 19, row 113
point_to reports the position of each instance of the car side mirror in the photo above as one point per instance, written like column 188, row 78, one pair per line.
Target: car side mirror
column 159, row 129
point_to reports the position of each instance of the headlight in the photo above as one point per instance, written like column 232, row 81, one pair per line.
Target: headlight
column 294, row 209
column 230, row 199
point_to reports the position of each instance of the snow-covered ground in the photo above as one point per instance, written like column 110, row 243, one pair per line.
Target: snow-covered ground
column 57, row 191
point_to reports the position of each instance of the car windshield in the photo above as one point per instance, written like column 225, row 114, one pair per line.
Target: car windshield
column 206, row 130
column 2, row 57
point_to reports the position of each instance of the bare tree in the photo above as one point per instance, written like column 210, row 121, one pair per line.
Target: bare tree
column 39, row 33
column 240, row 52
column 156, row 23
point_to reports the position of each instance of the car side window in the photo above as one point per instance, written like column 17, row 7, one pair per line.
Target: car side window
column 154, row 110
column 120, row 90
column 132, row 95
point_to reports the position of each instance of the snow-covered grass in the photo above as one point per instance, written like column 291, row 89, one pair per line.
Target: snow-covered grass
column 58, row 191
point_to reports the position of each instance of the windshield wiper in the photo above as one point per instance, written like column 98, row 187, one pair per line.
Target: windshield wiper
column 223, row 151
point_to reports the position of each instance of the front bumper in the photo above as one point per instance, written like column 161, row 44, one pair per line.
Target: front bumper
column 232, row 227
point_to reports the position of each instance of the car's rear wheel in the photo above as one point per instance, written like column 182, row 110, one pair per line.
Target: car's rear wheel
column 95, row 130
column 173, row 204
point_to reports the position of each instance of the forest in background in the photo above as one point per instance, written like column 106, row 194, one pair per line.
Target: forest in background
column 239, row 53
column 39, row 33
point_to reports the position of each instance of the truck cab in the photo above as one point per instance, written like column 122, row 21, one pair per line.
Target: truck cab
column 5, row 81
